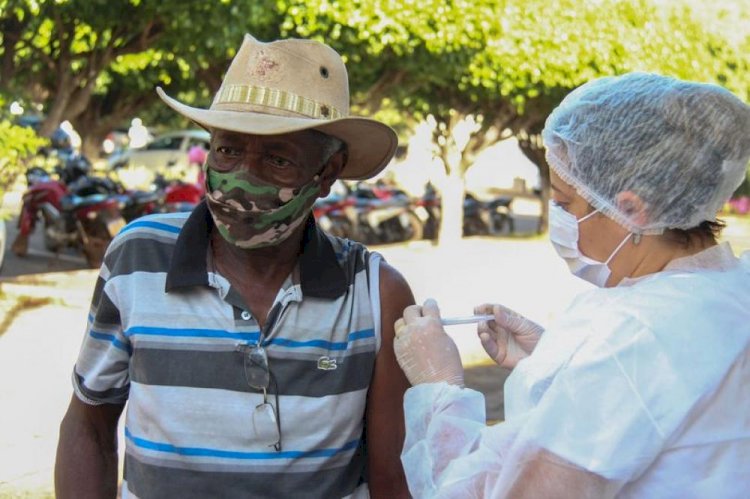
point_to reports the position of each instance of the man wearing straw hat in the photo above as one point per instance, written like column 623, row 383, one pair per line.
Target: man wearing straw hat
column 254, row 350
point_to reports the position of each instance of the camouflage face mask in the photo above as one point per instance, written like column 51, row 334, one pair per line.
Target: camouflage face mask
column 250, row 213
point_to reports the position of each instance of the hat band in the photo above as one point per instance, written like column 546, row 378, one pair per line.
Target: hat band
column 280, row 99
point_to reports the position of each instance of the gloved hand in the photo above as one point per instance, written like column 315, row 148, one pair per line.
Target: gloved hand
column 424, row 351
column 510, row 337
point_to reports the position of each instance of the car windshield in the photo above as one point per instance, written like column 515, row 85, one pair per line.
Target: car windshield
column 165, row 143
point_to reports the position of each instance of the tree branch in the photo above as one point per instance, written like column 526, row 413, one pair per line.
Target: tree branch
column 379, row 89
column 12, row 28
column 142, row 40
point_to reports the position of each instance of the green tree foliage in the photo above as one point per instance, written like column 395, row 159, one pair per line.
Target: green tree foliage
column 490, row 68
column 17, row 144
column 96, row 62
column 502, row 65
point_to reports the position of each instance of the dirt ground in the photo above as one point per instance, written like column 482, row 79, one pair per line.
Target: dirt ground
column 40, row 339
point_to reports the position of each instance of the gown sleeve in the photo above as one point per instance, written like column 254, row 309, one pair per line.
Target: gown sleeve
column 449, row 452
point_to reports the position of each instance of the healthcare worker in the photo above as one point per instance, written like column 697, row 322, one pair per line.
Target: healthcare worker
column 640, row 389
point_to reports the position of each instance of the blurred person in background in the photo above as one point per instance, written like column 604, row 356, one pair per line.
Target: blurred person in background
column 640, row 388
column 254, row 351
column 138, row 134
column 196, row 159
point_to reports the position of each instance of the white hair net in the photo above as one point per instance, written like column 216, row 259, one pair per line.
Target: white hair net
column 682, row 147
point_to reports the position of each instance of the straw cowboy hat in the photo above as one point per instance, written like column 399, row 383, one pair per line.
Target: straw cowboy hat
column 290, row 85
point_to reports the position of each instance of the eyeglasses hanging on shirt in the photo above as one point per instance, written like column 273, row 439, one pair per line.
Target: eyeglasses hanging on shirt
column 266, row 420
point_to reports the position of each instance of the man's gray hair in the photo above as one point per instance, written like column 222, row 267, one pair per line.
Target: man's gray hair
column 330, row 144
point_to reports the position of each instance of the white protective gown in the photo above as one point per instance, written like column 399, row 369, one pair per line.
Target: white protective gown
column 644, row 386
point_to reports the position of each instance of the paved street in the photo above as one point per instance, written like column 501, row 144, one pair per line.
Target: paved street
column 38, row 260
column 39, row 349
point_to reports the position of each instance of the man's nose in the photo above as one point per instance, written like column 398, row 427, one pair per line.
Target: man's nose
column 251, row 161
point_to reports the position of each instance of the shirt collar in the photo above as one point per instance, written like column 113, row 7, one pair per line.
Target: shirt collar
column 321, row 276
column 719, row 257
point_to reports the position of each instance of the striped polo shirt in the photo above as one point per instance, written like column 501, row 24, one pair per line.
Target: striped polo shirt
column 168, row 334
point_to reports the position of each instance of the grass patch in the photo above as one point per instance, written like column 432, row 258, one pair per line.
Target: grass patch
column 27, row 494
column 11, row 306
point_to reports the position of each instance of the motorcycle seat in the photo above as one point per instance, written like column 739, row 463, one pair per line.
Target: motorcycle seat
column 144, row 196
column 73, row 202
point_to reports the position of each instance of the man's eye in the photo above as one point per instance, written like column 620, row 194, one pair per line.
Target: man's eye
column 228, row 151
column 279, row 162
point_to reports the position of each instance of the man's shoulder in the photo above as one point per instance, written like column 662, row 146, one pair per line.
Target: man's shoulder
column 157, row 223
column 150, row 238
column 334, row 258
column 345, row 251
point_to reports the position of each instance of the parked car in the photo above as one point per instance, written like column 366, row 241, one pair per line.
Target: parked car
column 525, row 214
column 167, row 155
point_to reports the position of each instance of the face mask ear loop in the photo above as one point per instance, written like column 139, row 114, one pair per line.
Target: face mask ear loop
column 586, row 217
column 318, row 176
column 618, row 248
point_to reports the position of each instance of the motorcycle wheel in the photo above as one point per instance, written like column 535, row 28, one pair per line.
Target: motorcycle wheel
column 98, row 239
column 20, row 246
column 474, row 227
column 414, row 230
column 341, row 228
column 50, row 242
column 94, row 251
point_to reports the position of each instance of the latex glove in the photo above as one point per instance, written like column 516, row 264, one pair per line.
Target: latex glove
column 424, row 351
column 510, row 337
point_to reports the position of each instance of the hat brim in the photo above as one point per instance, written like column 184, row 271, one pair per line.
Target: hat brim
column 371, row 144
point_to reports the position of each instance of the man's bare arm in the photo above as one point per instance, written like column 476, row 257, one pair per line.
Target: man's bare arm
column 86, row 463
column 385, row 404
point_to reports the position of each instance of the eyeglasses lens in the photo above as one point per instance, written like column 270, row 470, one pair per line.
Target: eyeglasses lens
column 265, row 416
column 256, row 368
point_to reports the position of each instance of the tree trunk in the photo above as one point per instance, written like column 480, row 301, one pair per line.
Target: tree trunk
column 93, row 129
column 104, row 114
column 53, row 119
column 452, row 193
column 533, row 149
column 91, row 144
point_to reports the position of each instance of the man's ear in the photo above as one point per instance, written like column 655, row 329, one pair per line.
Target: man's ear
column 632, row 206
column 332, row 171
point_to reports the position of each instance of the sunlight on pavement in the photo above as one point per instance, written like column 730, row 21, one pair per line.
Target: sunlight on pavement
column 524, row 275
column 38, row 350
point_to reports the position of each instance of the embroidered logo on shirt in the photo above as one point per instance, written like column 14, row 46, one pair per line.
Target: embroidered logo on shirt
column 326, row 363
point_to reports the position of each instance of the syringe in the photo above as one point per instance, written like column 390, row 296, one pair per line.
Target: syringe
column 471, row 319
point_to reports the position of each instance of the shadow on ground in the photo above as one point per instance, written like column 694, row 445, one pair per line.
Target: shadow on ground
column 488, row 379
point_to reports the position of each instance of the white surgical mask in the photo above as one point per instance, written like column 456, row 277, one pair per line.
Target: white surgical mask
column 563, row 233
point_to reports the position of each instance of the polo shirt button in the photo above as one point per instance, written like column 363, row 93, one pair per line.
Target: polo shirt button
column 245, row 315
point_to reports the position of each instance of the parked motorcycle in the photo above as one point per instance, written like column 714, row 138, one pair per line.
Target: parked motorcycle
column 77, row 210
column 487, row 218
column 136, row 203
column 336, row 214
column 178, row 195
column 428, row 208
column 476, row 220
column 164, row 197
column 385, row 219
